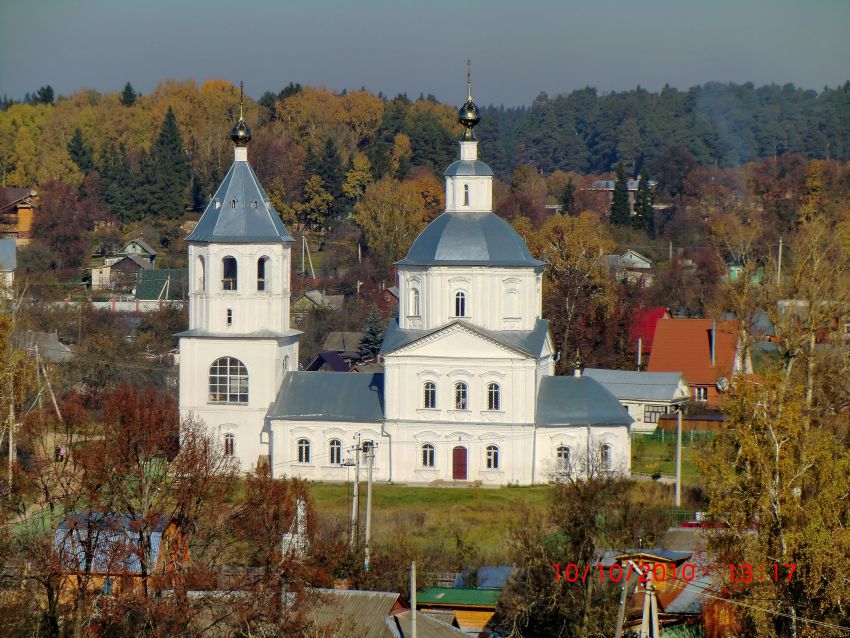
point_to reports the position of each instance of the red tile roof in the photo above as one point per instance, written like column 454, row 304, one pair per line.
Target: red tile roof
column 684, row 345
column 644, row 321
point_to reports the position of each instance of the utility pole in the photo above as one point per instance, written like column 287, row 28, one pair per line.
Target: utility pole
column 371, row 461
column 413, row 599
column 679, row 410
column 355, row 505
column 779, row 264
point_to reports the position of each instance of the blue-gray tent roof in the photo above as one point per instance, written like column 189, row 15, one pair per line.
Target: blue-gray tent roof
column 469, row 239
column 528, row 341
column 330, row 396
column 252, row 219
column 629, row 384
column 8, row 255
column 578, row 401
column 472, row 168
column 113, row 546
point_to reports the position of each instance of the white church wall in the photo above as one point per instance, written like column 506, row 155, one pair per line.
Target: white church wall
column 496, row 298
column 250, row 309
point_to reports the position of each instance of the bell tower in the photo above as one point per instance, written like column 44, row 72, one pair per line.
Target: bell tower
column 239, row 343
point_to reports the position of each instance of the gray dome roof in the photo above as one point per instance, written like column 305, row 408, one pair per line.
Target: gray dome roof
column 469, row 239
column 475, row 168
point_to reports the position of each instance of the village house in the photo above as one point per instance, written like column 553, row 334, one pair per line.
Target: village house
column 17, row 209
column 106, row 550
column 631, row 267
column 707, row 352
column 313, row 299
column 646, row 396
column 606, row 186
column 642, row 331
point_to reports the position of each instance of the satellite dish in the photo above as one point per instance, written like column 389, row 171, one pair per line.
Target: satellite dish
column 723, row 384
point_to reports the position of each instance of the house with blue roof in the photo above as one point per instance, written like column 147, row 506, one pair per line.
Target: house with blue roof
column 468, row 390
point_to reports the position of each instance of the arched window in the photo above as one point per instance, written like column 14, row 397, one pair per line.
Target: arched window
column 254, row 204
column 303, row 451
column 228, row 278
column 494, row 398
column 460, row 304
column 414, row 302
column 200, row 274
column 466, row 194
column 563, row 456
column 335, row 448
column 430, row 394
column 233, row 203
column 286, row 363
column 229, row 444
column 427, row 455
column 461, row 396
column 606, row 457
column 492, row 457
column 228, row 381
column 262, row 277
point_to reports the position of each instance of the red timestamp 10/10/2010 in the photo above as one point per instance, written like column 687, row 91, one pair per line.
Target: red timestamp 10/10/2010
column 747, row 573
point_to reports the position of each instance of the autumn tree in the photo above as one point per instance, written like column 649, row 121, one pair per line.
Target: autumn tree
column 60, row 225
column 777, row 487
column 392, row 215
column 576, row 276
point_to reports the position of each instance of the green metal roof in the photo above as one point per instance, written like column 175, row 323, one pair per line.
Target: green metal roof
column 162, row 283
column 456, row 596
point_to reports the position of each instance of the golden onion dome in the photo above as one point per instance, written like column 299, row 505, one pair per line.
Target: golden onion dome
column 240, row 134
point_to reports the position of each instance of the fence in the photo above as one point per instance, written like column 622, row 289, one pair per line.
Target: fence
column 689, row 437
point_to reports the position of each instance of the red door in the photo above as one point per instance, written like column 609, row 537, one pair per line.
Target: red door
column 459, row 463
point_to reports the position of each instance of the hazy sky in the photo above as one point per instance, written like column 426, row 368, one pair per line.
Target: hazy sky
column 518, row 48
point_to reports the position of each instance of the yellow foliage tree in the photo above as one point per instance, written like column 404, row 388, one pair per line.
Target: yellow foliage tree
column 391, row 214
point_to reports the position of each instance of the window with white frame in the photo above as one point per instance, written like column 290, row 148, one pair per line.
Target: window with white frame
column 460, row 304
column 335, row 449
column 228, row 381
column 229, row 444
column 428, row 454
column 461, row 396
column 494, row 397
column 466, row 194
column 563, row 456
column 200, row 274
column 651, row 413
column 303, row 446
column 492, row 457
column 606, row 457
column 414, row 302
column 430, row 395
column 701, row 393
column 262, row 275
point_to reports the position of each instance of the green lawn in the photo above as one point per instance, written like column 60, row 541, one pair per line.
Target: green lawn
column 652, row 456
column 421, row 514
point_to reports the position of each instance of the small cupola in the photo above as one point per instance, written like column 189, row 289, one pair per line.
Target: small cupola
column 240, row 134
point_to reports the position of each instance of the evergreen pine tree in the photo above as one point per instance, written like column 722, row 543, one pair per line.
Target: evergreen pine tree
column 80, row 152
column 171, row 171
column 128, row 95
column 373, row 336
column 644, row 218
column 620, row 213
column 44, row 95
column 567, row 198
column 119, row 181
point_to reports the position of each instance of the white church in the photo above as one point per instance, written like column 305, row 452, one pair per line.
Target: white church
column 468, row 391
